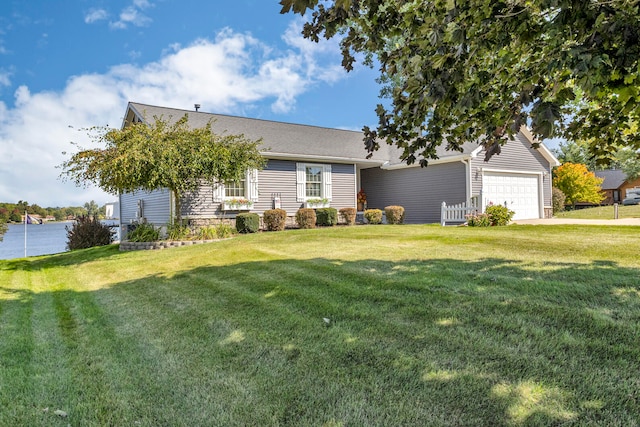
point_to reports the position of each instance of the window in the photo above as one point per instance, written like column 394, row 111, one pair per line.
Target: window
column 235, row 189
column 313, row 185
column 244, row 189
column 313, row 181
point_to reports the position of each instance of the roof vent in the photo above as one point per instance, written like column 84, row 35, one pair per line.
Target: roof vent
column 197, row 106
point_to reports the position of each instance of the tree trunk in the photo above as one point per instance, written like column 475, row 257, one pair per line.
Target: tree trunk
column 177, row 207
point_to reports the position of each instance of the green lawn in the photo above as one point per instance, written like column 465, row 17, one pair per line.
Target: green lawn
column 433, row 326
column 601, row 212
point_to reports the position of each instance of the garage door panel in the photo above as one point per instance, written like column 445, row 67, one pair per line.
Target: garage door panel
column 520, row 193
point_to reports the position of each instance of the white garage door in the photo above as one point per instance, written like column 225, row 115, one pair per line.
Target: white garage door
column 520, row 192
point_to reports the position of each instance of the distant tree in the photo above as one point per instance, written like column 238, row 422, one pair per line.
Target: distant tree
column 162, row 154
column 22, row 206
column 478, row 70
column 59, row 215
column 578, row 184
column 38, row 210
column 575, row 152
column 92, row 208
column 16, row 215
column 629, row 161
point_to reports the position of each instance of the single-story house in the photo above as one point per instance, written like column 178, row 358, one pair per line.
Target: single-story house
column 615, row 185
column 309, row 162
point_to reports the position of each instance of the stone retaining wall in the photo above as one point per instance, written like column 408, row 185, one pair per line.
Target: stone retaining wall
column 140, row 246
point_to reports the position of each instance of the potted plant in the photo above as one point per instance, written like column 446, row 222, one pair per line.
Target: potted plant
column 362, row 200
column 237, row 204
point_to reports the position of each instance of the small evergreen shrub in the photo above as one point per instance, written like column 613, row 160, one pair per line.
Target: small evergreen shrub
column 275, row 219
column 143, row 232
column 349, row 215
column 373, row 216
column 395, row 214
column 247, row 222
column 326, row 217
column 306, row 218
column 558, row 200
column 88, row 232
column 499, row 215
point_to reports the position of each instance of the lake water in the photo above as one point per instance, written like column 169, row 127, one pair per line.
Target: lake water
column 42, row 239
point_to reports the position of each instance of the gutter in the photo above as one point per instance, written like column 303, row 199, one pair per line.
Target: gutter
column 451, row 159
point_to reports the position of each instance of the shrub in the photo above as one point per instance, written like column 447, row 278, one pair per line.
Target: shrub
column 275, row 219
column 499, row 215
column 349, row 215
column 143, row 232
column 373, row 216
column 247, row 222
column 224, row 231
column 326, row 217
column 395, row 214
column 558, row 200
column 207, row 232
column 306, row 218
column 478, row 220
column 88, row 232
column 218, row 231
column 178, row 232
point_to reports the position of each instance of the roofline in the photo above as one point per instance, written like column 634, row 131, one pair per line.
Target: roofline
column 546, row 153
column 313, row 157
column 449, row 159
column 139, row 113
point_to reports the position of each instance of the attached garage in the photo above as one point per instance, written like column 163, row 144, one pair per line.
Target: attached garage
column 520, row 192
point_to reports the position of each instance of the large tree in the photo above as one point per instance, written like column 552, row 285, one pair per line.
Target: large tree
column 578, row 184
column 480, row 69
column 162, row 154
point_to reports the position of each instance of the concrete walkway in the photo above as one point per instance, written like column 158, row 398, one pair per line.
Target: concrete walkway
column 555, row 221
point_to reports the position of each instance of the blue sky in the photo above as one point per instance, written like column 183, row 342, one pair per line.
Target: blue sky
column 72, row 64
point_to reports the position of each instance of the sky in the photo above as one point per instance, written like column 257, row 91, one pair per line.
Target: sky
column 68, row 65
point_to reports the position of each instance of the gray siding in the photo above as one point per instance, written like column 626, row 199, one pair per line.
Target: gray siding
column 420, row 191
column 343, row 181
column 516, row 155
column 157, row 206
column 278, row 177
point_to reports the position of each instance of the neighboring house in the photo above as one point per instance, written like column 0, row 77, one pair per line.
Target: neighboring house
column 615, row 185
column 309, row 162
column 112, row 210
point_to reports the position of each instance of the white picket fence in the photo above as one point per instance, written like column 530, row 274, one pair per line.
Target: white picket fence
column 458, row 213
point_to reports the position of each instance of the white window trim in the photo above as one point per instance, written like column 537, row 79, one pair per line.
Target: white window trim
column 251, row 190
column 301, row 181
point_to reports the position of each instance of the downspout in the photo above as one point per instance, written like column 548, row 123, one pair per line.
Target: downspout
column 172, row 205
column 467, row 171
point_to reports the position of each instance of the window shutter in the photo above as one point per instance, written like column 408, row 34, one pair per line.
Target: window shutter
column 300, row 182
column 252, row 185
column 218, row 192
column 326, row 179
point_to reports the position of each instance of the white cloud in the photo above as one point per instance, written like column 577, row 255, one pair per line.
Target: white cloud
column 132, row 15
column 226, row 75
column 5, row 78
column 95, row 15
